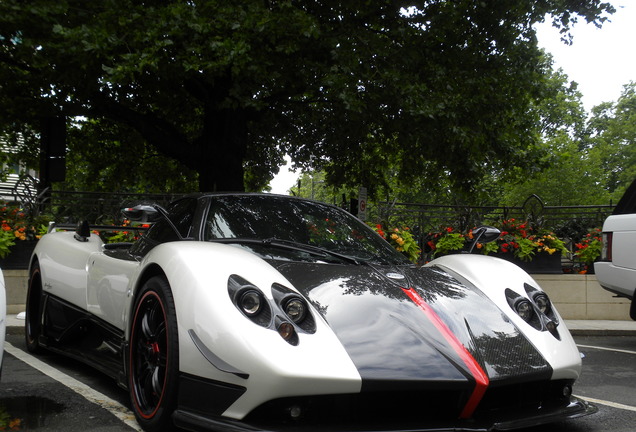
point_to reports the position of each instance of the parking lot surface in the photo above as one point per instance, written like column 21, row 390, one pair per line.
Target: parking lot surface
column 52, row 393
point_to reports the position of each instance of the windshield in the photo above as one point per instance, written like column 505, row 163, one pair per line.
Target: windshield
column 267, row 217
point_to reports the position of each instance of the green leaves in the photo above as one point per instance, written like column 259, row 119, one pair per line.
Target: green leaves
column 446, row 90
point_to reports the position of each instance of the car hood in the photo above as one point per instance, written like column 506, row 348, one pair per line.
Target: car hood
column 413, row 326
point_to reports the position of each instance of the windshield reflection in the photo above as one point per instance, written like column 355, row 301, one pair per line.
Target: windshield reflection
column 264, row 217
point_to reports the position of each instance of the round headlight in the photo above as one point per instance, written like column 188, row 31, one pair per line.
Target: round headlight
column 296, row 310
column 542, row 302
column 251, row 302
column 524, row 309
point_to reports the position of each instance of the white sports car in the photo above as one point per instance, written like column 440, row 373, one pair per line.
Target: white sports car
column 244, row 312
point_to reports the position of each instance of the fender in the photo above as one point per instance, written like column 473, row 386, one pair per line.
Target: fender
column 198, row 274
column 492, row 276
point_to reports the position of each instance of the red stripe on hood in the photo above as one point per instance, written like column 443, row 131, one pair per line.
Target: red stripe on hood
column 481, row 379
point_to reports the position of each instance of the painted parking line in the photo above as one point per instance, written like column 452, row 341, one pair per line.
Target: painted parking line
column 606, row 349
column 117, row 409
column 608, row 403
column 604, row 402
column 127, row 417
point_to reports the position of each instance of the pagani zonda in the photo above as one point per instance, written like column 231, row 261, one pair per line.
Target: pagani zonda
column 241, row 312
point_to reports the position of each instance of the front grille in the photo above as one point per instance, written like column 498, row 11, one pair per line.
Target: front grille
column 365, row 411
column 408, row 409
column 505, row 399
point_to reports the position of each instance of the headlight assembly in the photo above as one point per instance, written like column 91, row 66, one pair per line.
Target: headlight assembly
column 288, row 313
column 249, row 300
column 535, row 309
column 294, row 307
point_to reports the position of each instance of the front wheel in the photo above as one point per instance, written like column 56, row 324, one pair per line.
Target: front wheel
column 33, row 319
column 154, row 356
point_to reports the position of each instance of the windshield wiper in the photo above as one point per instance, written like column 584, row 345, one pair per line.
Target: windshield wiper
column 288, row 244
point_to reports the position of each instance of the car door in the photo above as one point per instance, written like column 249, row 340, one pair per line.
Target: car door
column 110, row 274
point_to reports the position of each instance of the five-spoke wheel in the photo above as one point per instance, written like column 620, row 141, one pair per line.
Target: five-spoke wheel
column 153, row 361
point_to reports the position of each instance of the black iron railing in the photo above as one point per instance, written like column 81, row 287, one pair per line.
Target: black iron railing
column 568, row 222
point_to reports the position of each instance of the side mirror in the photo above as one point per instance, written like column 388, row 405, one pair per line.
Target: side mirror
column 141, row 213
column 484, row 234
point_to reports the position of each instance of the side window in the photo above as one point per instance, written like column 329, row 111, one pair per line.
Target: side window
column 162, row 232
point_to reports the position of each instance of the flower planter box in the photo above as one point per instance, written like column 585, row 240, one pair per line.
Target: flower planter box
column 18, row 258
column 541, row 263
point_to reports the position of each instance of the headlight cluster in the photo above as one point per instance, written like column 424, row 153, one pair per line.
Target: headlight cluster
column 288, row 313
column 535, row 308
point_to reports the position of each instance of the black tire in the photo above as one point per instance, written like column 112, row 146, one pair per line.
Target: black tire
column 154, row 356
column 33, row 319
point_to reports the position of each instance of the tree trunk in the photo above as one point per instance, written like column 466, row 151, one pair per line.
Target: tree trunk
column 221, row 150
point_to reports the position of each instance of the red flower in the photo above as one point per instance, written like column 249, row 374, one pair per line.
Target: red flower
column 378, row 229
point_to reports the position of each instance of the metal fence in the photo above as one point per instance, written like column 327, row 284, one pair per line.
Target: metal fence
column 94, row 207
column 569, row 222
column 430, row 217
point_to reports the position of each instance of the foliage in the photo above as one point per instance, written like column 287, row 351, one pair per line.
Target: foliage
column 132, row 234
column 313, row 185
column 17, row 226
column 446, row 88
column 518, row 238
column 105, row 156
column 589, row 248
column 524, row 241
column 446, row 241
column 8, row 422
column 575, row 158
column 567, row 165
column 612, row 141
column 401, row 239
column 7, row 239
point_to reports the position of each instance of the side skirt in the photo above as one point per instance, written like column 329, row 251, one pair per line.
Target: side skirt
column 73, row 332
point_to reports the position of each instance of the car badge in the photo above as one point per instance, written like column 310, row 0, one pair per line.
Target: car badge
column 396, row 276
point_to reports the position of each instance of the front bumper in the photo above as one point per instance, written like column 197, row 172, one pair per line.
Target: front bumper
column 512, row 419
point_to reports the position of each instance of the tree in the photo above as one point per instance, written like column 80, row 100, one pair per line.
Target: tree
column 104, row 156
column 612, row 141
column 436, row 87
column 565, row 168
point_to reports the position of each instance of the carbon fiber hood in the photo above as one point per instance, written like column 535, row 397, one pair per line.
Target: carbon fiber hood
column 391, row 340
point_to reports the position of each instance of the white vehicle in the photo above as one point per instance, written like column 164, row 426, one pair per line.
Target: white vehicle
column 616, row 271
column 246, row 312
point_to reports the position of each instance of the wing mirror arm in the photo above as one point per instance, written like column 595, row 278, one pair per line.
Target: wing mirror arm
column 484, row 234
column 164, row 214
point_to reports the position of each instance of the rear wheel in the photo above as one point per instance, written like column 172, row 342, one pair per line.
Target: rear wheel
column 154, row 356
column 33, row 321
